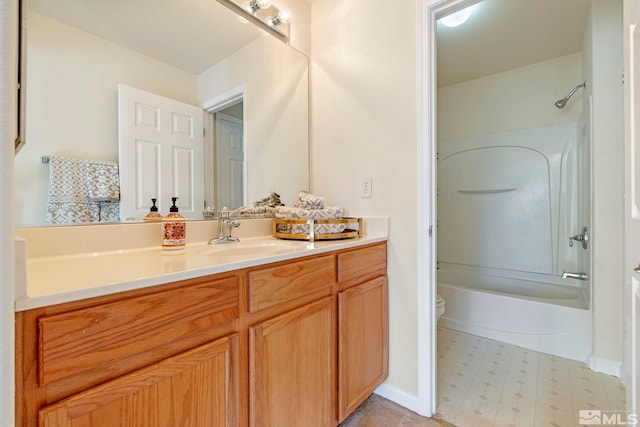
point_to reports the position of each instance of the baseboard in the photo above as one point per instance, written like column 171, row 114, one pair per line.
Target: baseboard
column 398, row 396
column 605, row 366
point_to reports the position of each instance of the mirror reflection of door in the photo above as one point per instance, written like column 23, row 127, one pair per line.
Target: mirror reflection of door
column 229, row 155
column 160, row 154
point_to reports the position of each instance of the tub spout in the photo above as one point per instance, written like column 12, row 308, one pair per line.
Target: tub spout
column 579, row 276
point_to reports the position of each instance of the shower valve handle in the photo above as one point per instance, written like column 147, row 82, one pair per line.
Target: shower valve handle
column 582, row 237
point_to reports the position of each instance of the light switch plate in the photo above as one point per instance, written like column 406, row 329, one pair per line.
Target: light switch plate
column 365, row 187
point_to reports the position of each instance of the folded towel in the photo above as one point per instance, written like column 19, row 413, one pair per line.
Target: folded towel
column 308, row 200
column 102, row 181
column 256, row 212
column 271, row 200
column 330, row 212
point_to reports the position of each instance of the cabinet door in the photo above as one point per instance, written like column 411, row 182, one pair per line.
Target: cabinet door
column 362, row 343
column 292, row 362
column 196, row 388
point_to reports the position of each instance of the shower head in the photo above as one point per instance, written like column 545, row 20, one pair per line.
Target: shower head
column 562, row 102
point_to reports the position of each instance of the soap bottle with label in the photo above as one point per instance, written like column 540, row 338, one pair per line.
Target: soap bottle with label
column 174, row 228
column 153, row 214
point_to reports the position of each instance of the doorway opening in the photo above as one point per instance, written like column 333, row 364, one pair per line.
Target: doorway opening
column 430, row 134
column 225, row 154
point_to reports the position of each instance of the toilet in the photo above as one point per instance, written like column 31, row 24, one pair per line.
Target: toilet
column 439, row 307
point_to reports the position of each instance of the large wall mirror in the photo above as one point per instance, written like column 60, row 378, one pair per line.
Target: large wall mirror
column 197, row 52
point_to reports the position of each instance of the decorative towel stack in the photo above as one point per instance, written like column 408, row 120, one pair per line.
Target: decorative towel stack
column 263, row 208
column 272, row 200
column 309, row 206
column 83, row 191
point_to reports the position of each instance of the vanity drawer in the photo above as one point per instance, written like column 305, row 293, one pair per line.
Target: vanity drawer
column 359, row 265
column 275, row 285
column 91, row 338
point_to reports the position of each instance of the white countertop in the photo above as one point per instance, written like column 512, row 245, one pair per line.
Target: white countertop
column 57, row 279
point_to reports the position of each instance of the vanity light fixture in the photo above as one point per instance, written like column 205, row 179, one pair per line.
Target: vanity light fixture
column 263, row 14
column 254, row 6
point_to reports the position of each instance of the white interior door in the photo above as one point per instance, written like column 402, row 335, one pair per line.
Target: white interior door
column 229, row 161
column 161, row 154
column 632, row 155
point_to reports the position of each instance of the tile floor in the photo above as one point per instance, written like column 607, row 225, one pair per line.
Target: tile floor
column 482, row 382
column 379, row 412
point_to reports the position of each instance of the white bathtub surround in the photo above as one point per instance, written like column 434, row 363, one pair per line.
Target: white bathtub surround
column 506, row 200
column 482, row 382
column 507, row 309
column 507, row 203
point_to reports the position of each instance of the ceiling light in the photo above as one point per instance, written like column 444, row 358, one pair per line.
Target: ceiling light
column 457, row 18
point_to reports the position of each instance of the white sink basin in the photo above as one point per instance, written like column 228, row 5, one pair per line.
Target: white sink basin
column 252, row 248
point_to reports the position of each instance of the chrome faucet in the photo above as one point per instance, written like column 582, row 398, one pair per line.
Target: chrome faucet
column 225, row 225
column 579, row 276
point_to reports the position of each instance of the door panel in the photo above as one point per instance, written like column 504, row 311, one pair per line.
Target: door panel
column 161, row 154
column 291, row 356
column 229, row 162
column 190, row 389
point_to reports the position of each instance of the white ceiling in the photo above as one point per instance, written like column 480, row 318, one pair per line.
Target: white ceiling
column 189, row 34
column 506, row 34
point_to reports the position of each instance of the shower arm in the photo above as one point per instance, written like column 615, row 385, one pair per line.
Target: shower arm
column 562, row 102
column 583, row 84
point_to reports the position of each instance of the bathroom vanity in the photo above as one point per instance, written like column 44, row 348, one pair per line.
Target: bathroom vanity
column 299, row 338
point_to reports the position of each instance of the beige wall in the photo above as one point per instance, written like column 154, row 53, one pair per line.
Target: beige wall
column 72, row 102
column 521, row 98
column 363, row 123
column 276, row 84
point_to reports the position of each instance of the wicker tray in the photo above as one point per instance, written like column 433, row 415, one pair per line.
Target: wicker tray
column 348, row 233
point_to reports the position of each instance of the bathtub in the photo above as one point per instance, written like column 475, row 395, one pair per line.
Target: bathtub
column 536, row 312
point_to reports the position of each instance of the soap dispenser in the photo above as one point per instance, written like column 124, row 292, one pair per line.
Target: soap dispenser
column 174, row 229
column 153, row 214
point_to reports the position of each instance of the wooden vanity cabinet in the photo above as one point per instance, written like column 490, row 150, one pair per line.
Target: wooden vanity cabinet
column 363, row 326
column 167, row 355
column 292, row 353
column 299, row 342
column 292, row 368
column 190, row 389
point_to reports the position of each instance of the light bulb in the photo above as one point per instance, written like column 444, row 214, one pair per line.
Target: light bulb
column 254, row 6
column 281, row 18
column 284, row 17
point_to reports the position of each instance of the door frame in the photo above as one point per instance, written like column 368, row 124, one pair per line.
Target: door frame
column 429, row 11
column 217, row 117
column 210, row 107
column 631, row 12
